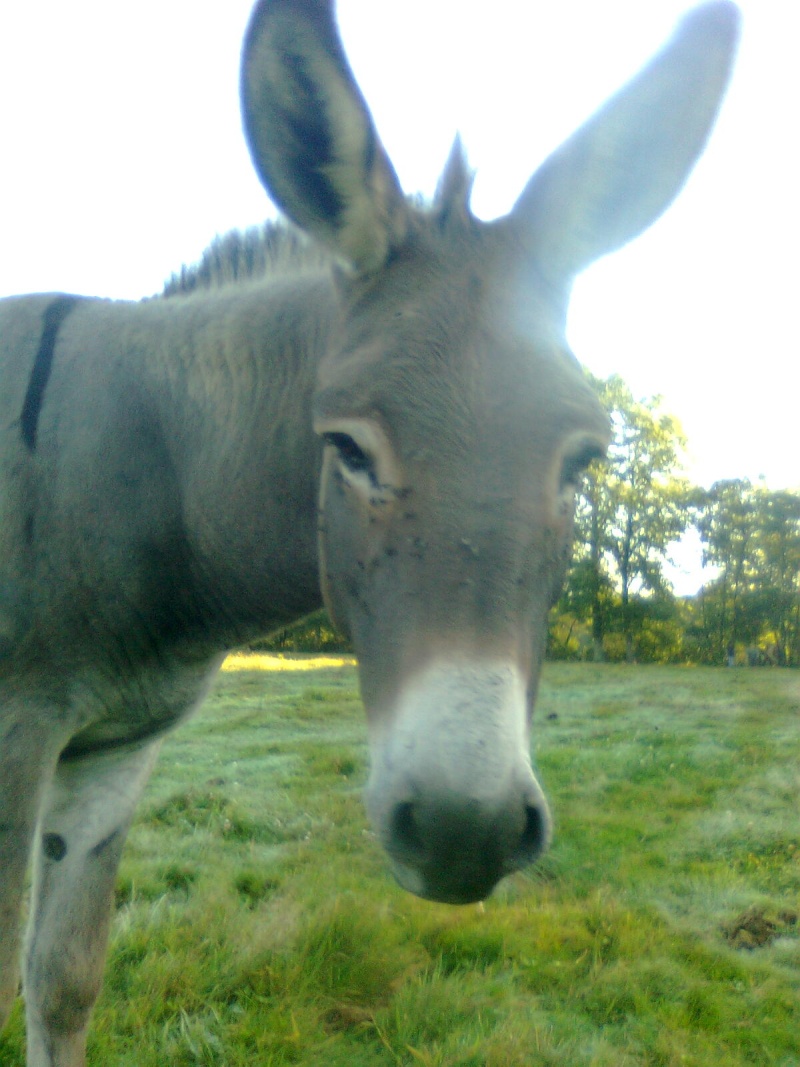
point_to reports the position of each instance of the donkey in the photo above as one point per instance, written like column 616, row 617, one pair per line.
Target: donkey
column 387, row 419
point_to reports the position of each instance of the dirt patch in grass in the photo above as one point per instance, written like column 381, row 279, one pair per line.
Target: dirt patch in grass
column 754, row 928
column 348, row 1017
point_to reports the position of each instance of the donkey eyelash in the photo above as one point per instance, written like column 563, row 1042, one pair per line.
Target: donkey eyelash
column 354, row 458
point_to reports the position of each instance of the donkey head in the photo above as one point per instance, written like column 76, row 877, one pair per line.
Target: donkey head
column 456, row 422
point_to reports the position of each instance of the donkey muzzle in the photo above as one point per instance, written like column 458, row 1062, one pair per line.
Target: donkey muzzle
column 452, row 794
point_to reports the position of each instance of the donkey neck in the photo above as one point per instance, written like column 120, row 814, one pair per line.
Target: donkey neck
column 234, row 389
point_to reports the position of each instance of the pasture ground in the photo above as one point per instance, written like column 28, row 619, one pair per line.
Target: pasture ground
column 257, row 925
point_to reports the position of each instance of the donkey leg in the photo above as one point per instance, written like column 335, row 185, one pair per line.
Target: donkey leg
column 85, row 820
column 28, row 753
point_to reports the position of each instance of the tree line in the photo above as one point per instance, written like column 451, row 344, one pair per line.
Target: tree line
column 618, row 603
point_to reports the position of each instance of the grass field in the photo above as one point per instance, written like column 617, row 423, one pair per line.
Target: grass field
column 257, row 925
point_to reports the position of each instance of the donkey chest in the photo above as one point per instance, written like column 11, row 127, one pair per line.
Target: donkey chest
column 131, row 705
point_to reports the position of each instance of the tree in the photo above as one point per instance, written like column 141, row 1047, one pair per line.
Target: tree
column 631, row 508
column 727, row 525
column 779, row 566
column 751, row 535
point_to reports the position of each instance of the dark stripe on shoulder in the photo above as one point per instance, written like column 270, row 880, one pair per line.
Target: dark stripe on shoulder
column 54, row 315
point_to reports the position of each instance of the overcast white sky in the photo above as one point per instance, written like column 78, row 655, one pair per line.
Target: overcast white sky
column 121, row 156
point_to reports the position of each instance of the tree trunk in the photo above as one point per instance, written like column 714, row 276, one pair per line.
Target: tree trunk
column 598, row 652
column 625, row 577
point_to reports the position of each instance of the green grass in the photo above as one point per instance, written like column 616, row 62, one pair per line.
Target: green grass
column 257, row 925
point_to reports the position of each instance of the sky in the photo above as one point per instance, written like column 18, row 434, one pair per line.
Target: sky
column 121, row 156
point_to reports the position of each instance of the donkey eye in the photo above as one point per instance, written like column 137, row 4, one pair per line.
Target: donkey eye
column 574, row 466
column 354, row 458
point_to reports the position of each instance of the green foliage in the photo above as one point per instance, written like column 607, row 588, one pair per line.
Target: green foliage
column 313, row 633
column 751, row 535
column 631, row 510
column 658, row 625
column 660, row 929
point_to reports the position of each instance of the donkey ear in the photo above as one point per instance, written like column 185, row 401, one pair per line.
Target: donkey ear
column 311, row 135
column 620, row 170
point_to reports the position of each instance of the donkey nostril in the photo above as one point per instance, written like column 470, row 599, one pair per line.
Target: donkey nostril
column 534, row 838
column 405, row 834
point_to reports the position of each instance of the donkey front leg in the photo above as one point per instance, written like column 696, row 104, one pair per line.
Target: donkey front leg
column 85, row 819
column 29, row 748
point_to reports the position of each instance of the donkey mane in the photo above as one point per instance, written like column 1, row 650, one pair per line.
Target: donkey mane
column 277, row 246
column 242, row 256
